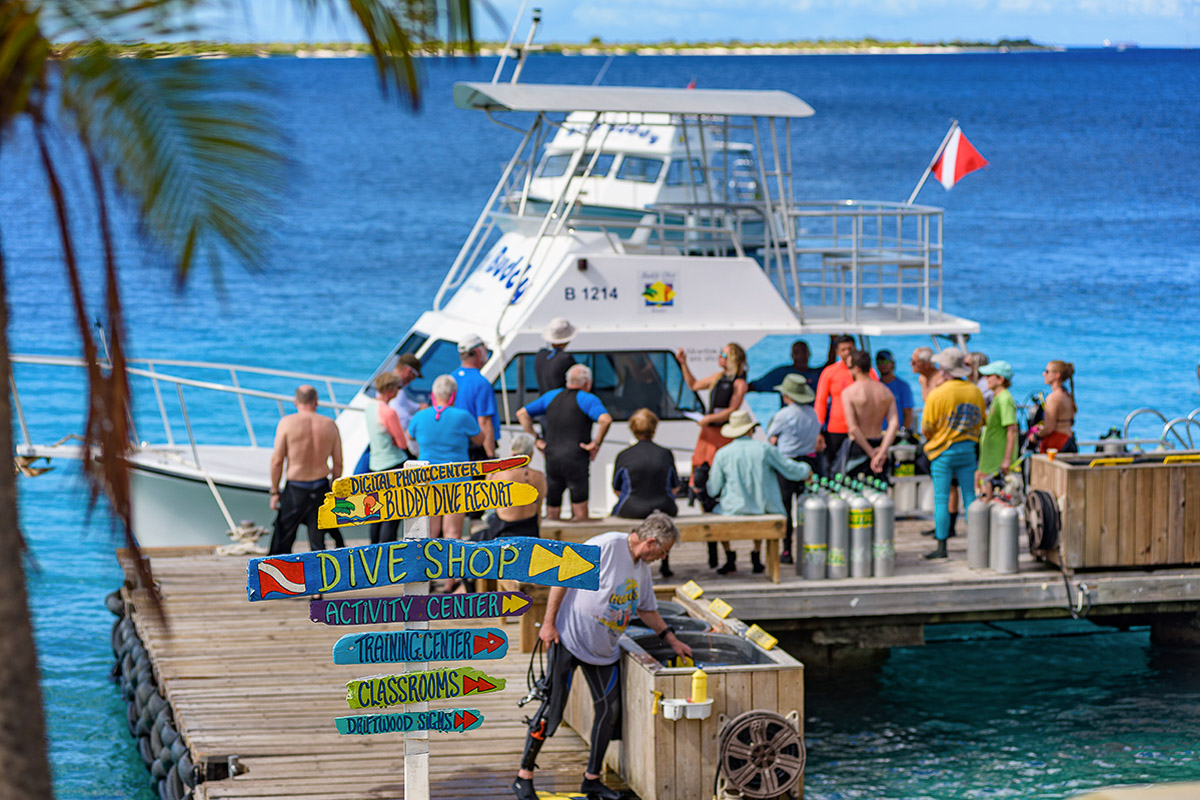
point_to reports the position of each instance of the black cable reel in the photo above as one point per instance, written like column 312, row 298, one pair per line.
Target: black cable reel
column 760, row 755
column 1042, row 522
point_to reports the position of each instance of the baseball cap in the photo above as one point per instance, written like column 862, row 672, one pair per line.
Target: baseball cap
column 469, row 342
column 1001, row 368
column 410, row 360
column 885, row 355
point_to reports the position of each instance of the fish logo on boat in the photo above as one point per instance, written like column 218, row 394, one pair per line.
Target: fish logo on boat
column 659, row 294
column 345, row 511
column 283, row 577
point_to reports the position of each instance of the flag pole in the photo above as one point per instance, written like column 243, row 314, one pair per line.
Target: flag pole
column 932, row 161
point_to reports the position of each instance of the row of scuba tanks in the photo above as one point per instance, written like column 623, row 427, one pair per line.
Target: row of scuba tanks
column 848, row 530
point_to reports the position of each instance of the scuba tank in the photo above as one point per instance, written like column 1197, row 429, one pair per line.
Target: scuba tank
column 839, row 536
column 883, row 551
column 862, row 532
column 1005, row 540
column 978, row 519
column 810, row 563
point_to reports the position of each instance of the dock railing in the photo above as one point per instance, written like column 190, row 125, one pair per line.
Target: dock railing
column 142, row 371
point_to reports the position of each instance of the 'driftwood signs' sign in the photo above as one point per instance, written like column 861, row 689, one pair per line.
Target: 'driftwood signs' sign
column 418, row 608
column 381, row 691
column 447, row 720
column 423, row 500
column 398, row 647
column 400, row 478
column 520, row 558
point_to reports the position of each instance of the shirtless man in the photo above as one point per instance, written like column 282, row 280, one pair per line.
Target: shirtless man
column 867, row 403
column 928, row 376
column 519, row 520
column 312, row 448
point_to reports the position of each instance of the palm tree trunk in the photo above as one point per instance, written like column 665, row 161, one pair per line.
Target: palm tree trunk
column 24, row 768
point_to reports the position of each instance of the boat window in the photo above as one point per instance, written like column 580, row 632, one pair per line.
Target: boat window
column 624, row 381
column 636, row 168
column 441, row 358
column 677, row 172
column 603, row 164
column 554, row 165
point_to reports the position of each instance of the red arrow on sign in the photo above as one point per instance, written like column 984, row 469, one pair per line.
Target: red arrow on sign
column 488, row 643
column 476, row 685
column 504, row 463
column 464, row 719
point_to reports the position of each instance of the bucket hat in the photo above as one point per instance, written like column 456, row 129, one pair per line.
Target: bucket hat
column 796, row 387
column 558, row 331
column 953, row 362
column 740, row 423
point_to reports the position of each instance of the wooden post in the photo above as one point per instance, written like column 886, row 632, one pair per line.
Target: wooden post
column 416, row 743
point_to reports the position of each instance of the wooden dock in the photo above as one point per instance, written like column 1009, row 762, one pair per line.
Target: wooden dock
column 255, row 682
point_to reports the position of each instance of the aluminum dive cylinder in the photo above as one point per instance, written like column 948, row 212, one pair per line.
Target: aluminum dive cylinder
column 994, row 525
column 978, row 525
column 862, row 534
column 1006, row 532
column 883, row 551
column 811, row 562
column 839, row 537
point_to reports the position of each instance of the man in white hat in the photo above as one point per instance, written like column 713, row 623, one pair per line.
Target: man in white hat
column 951, row 422
column 552, row 362
column 745, row 475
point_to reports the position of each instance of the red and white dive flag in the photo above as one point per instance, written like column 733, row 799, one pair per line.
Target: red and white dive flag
column 958, row 159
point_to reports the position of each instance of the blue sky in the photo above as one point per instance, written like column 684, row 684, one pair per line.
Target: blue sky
column 1070, row 22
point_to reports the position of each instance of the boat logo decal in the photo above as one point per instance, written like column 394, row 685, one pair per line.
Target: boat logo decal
column 659, row 294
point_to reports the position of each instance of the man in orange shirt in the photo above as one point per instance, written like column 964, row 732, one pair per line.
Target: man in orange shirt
column 830, row 413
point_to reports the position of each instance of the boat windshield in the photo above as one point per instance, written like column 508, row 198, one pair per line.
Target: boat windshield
column 555, row 165
column 624, row 381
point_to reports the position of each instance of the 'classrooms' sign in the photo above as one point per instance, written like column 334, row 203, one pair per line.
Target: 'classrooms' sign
column 520, row 558
column 397, row 647
column 446, row 720
column 381, row 691
column 418, row 608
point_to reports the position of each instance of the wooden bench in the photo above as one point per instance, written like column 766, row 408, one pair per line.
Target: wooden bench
column 692, row 528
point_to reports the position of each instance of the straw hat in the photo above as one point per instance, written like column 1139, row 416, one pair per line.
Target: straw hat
column 796, row 387
column 740, row 423
column 558, row 331
column 953, row 362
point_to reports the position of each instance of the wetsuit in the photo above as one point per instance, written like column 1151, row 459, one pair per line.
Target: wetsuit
column 645, row 480
column 550, row 365
column 711, row 441
column 566, row 426
column 498, row 528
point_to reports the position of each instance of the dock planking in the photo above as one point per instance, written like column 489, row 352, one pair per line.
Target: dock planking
column 256, row 680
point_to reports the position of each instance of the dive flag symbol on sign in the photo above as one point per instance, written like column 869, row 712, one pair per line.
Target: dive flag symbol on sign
column 958, row 159
column 285, row 577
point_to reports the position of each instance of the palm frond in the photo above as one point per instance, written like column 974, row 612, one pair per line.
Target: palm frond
column 204, row 165
column 24, row 52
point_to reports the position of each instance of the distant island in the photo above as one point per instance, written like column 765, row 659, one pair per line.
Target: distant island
column 595, row 47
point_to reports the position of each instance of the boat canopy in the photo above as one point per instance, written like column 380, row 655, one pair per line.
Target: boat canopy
column 567, row 98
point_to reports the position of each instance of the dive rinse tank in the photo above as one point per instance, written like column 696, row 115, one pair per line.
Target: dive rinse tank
column 978, row 525
column 1005, row 534
column 815, row 549
column 883, row 552
column 839, row 536
column 862, row 534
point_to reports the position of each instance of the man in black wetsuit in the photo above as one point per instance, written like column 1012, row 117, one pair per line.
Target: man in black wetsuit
column 567, row 439
column 551, row 363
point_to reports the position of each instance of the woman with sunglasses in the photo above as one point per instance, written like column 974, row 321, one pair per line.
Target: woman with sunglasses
column 1056, row 431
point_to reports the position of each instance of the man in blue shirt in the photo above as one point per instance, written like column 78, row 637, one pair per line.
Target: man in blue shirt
column 885, row 364
column 476, row 396
column 567, row 439
column 800, row 355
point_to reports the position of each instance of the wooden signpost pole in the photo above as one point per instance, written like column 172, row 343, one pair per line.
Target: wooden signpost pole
column 416, row 743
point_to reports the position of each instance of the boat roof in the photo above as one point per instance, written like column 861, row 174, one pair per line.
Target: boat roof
column 566, row 98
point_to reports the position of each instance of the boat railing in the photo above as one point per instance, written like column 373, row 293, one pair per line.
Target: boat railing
column 151, row 372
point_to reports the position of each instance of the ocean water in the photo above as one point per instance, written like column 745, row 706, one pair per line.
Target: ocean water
column 1081, row 241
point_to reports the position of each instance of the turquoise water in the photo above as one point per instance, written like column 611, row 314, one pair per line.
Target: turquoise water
column 1081, row 242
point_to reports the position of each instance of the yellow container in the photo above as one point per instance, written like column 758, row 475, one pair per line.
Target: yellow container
column 699, row 686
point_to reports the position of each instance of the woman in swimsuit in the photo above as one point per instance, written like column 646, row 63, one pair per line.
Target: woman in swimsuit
column 1056, row 431
column 729, row 387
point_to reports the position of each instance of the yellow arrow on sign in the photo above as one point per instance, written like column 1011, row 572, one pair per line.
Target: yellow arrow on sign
column 513, row 603
column 569, row 563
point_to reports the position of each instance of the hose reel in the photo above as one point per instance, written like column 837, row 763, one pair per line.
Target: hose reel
column 1042, row 522
column 760, row 755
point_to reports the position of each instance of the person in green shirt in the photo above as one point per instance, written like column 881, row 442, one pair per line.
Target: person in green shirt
column 998, row 445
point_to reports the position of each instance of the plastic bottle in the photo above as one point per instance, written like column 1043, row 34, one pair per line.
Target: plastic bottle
column 699, row 686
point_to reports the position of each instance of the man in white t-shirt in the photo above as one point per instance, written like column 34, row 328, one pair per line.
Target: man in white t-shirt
column 582, row 629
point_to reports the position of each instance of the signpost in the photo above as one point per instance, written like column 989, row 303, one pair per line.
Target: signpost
column 412, row 494
column 419, row 608
column 456, row 644
column 521, row 558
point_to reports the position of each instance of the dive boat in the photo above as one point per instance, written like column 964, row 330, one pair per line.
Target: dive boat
column 653, row 219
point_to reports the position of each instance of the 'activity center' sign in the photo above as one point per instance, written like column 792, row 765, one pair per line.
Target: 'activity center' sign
column 419, row 608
